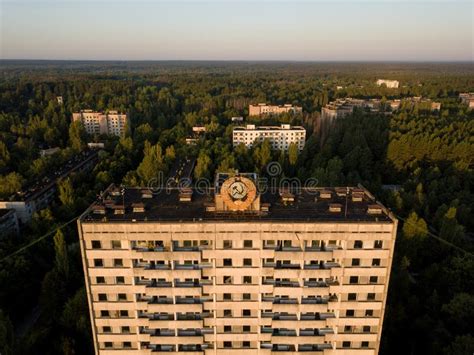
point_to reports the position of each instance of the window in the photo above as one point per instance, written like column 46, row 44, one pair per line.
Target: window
column 227, row 262
column 96, row 244
column 247, row 262
column 104, row 314
column 352, row 296
column 227, row 313
column 371, row 296
column 227, row 244
column 373, row 279
column 358, row 244
column 118, row 262
column 116, row 244
column 123, row 313
column 369, row 312
column 355, row 262
column 347, row 329
column 227, row 279
column 378, row 244
column 246, row 313
column 98, row 263
column 246, row 328
column 122, row 297
column 227, row 344
column 247, row 279
column 366, row 329
column 248, row 244
column 227, row 296
column 102, row 297
column 108, row 344
column 227, row 329
column 354, row 279
column 246, row 296
column 126, row 329
column 100, row 280
column 375, row 262
column 120, row 280
column 364, row 344
column 106, row 329
column 350, row 313
column 246, row 344
column 346, row 344
column 127, row 344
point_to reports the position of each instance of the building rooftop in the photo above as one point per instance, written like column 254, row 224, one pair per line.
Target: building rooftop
column 283, row 127
column 345, row 204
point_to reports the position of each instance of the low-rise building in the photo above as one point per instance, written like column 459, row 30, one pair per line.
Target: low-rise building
column 111, row 122
column 49, row 151
column 39, row 196
column 8, row 222
column 237, row 119
column 391, row 84
column 199, row 129
column 280, row 137
column 94, row 145
column 262, row 109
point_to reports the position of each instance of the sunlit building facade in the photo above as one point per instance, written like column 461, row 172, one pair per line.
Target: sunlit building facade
column 237, row 271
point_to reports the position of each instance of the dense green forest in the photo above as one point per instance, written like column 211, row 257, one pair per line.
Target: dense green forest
column 428, row 156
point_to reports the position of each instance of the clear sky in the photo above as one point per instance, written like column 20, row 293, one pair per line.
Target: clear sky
column 238, row 30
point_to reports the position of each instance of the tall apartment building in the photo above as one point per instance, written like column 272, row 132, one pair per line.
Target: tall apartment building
column 391, row 84
column 280, row 137
column 237, row 271
column 111, row 122
column 467, row 99
column 264, row 109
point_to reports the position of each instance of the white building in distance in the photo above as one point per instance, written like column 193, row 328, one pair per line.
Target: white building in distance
column 391, row 84
column 111, row 122
column 279, row 137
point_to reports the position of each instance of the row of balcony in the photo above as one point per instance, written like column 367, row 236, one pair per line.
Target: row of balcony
column 278, row 265
column 204, row 315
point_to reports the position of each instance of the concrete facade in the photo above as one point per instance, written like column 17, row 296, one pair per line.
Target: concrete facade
column 284, row 273
column 279, row 137
column 111, row 122
column 264, row 109
column 391, row 84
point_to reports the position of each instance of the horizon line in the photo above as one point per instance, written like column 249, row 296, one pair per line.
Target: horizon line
column 247, row 60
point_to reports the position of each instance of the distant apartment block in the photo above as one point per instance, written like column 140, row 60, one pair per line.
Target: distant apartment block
column 8, row 222
column 262, row 109
column 467, row 99
column 280, row 137
column 237, row 271
column 391, row 84
column 39, row 195
column 345, row 106
column 111, row 122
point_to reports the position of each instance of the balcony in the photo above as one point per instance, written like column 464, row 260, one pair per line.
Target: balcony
column 284, row 332
column 284, row 316
column 155, row 300
column 158, row 267
column 192, row 266
column 316, row 284
column 314, row 300
column 313, row 347
column 192, row 300
column 287, row 266
column 278, row 300
column 159, row 332
column 194, row 332
column 192, row 316
column 287, row 284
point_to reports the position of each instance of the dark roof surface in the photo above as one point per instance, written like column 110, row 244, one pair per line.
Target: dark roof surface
column 165, row 206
